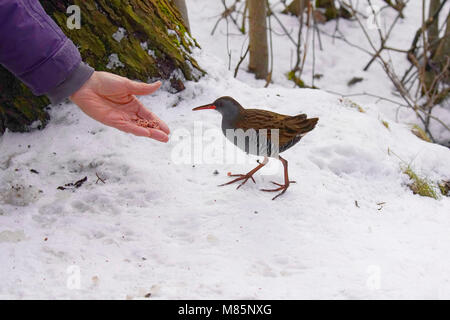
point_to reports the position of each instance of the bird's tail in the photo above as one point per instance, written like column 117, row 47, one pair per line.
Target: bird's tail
column 301, row 124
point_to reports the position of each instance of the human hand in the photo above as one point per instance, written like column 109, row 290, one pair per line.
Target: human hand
column 110, row 99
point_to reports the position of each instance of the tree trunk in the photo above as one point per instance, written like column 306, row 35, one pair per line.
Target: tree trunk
column 156, row 45
column 443, row 48
column 442, row 52
column 433, row 29
column 259, row 52
column 439, row 52
column 181, row 5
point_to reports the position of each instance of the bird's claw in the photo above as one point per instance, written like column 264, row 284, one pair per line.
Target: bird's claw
column 240, row 177
column 282, row 185
column 282, row 188
column 243, row 176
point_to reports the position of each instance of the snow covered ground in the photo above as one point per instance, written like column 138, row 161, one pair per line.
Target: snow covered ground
column 350, row 228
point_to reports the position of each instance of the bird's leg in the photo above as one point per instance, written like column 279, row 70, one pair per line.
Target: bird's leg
column 282, row 187
column 247, row 176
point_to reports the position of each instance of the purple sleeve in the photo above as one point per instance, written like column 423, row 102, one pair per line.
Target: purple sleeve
column 33, row 47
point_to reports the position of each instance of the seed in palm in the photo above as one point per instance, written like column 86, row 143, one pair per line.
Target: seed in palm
column 151, row 124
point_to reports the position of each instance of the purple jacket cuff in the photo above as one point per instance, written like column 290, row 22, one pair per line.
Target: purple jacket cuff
column 72, row 84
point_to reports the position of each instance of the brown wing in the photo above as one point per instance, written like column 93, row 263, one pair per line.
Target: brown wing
column 292, row 128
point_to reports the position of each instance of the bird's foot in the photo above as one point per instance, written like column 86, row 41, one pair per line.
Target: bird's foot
column 241, row 177
column 282, row 188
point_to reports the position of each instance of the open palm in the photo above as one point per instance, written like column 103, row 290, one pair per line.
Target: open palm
column 111, row 100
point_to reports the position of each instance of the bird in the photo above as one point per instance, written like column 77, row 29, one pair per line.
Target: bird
column 262, row 133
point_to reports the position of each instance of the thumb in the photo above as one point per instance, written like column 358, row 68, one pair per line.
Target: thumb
column 141, row 88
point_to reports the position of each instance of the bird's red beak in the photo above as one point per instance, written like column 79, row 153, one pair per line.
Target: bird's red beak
column 208, row 106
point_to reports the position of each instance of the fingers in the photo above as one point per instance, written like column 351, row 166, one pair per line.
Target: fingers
column 131, row 128
column 158, row 135
column 141, row 88
column 155, row 134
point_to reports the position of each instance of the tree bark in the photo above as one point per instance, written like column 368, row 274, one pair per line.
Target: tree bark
column 181, row 5
column 442, row 52
column 439, row 51
column 433, row 29
column 156, row 45
column 259, row 51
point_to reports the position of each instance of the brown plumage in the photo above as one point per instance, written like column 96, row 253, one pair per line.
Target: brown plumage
column 291, row 129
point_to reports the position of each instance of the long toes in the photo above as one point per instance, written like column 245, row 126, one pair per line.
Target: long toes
column 231, row 182
column 241, row 184
column 271, row 190
column 281, row 193
column 277, row 184
column 277, row 196
column 243, row 176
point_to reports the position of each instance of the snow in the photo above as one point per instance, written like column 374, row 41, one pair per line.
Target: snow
column 119, row 34
column 144, row 45
column 152, row 53
column 114, row 62
column 161, row 225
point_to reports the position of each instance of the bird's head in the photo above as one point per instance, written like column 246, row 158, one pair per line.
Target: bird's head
column 227, row 106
